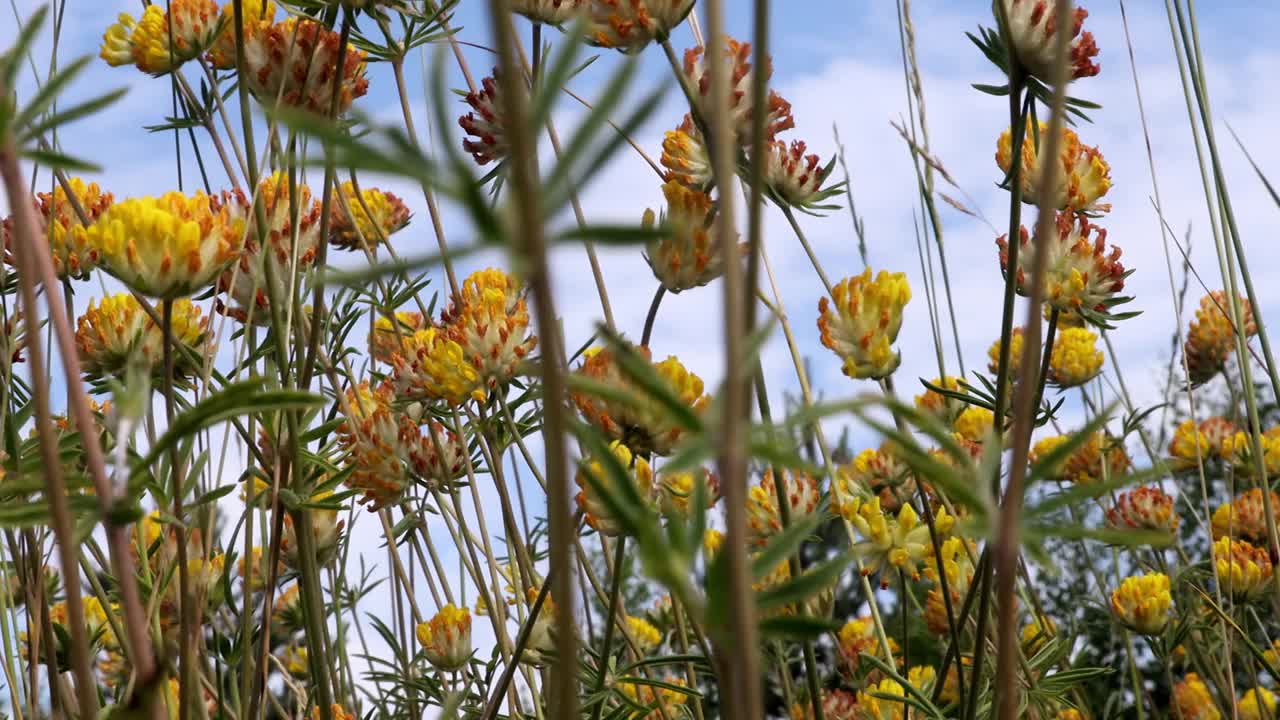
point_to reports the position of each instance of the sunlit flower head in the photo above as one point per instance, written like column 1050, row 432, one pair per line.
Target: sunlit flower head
column 1143, row 603
column 551, row 12
column 889, row 541
column 687, row 256
column 1033, row 29
column 1257, row 703
column 326, row 532
column 944, row 408
column 1192, row 700
column 1193, row 444
column 861, row 320
column 656, row 697
column 764, row 518
column 1144, row 508
column 148, row 43
column 678, row 490
column 73, row 257
column 1211, row 336
column 258, row 16
column 435, row 367
column 1238, row 450
column 1075, row 359
column 485, row 127
column 1243, row 569
column 1245, row 517
column 646, row 636
column 1097, row 457
column 388, row 336
column 875, row 473
column 295, row 63
column 365, row 219
column 167, row 247
column 248, row 283
column 1016, row 341
column 975, row 423
column 116, row 330
column 491, row 325
column 629, row 25
column 836, row 705
column 686, row 157
column 858, row 636
column 593, row 506
column 1085, row 175
column 1082, row 278
column 640, row 421
column 872, row 707
column 446, row 638
column 794, row 177
column 737, row 62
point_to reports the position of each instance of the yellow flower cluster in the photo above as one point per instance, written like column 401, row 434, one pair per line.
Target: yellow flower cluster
column 1075, row 359
column 160, row 42
column 1245, row 517
column 1099, row 457
column 589, row 501
column 115, row 331
column 736, row 60
column 880, row 473
column 1082, row 279
column 1193, row 444
column 1211, row 336
column 1086, row 179
column 764, row 516
column 861, row 320
column 1244, row 570
column 258, row 16
column 390, row 334
column 678, row 489
column 446, row 638
column 629, row 25
column 365, row 219
column 686, row 256
column 686, row 157
column 1145, row 508
column 1192, row 701
column 1142, row 603
column 1238, row 450
column 891, row 541
column 73, row 256
column 295, row 63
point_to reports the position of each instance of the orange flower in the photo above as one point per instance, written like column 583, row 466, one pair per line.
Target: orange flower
column 764, row 518
column 687, row 256
column 1211, row 337
column 116, row 331
column 365, row 219
column 258, row 16
column 861, row 320
column 388, row 337
column 1081, row 277
column 629, row 25
column 685, row 156
column 1147, row 508
column 737, row 62
column 491, row 325
column 793, row 177
column 160, row 42
column 1245, row 517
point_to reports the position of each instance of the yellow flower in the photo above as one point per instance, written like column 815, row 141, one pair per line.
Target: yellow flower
column 975, row 423
column 485, row 127
column 336, row 710
column 551, row 12
column 629, row 25
column 1087, row 462
column 795, row 178
column 296, row 661
column 435, row 367
column 1142, row 603
column 1211, row 336
column 874, row 708
column 446, row 638
column 1015, row 352
column 1033, row 31
column 678, row 490
column 148, row 43
column 1238, row 450
column 736, row 61
column 593, row 506
column 1257, row 704
column 764, row 519
column 326, row 531
column 491, row 325
column 1272, row 656
column 254, row 570
column 836, row 705
column 1037, row 633
column 922, row 678
column 72, row 256
column 858, row 636
column 1087, row 175
column 287, row 613
column 258, row 16
column 686, row 158
column 687, row 255
column 1082, row 280
column 899, row 542
column 1243, row 570
column 646, row 636
column 167, row 247
column 653, row 696
column 872, row 472
column 712, row 541
column 1194, row 444
column 1192, row 701
column 1146, row 508
column 296, row 62
column 1069, row 714
column 386, row 340
column 1245, row 517
column 861, row 320
column 944, row 408
column 1075, row 359
column 365, row 219
column 248, row 283
column 116, row 330
column 957, row 564
column 641, row 422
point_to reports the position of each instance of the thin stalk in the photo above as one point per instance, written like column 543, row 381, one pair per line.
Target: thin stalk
column 652, row 316
column 615, row 590
column 186, row 603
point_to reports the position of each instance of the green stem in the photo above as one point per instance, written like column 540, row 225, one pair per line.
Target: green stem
column 615, row 590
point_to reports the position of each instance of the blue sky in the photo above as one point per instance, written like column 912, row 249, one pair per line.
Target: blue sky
column 838, row 64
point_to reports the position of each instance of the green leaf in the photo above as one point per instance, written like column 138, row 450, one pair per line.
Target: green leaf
column 58, row 161
column 11, row 60
column 783, row 545
column 72, row 114
column 50, row 91
column 797, row 627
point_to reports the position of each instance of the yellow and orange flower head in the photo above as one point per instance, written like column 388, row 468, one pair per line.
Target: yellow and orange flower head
column 1143, row 603
column 687, row 255
column 255, row 570
column 1194, row 444
column 287, row 614
column 1100, row 456
column 1037, row 633
column 593, row 505
column 957, row 564
column 73, row 257
column 148, row 44
column 295, row 62
column 1085, row 176
column 446, row 638
column 764, row 518
column 379, row 443
column 856, row 637
column 1082, row 278
column 1258, row 703
column 326, row 532
column 387, row 339
column 116, row 330
column 1238, row 450
column 248, row 282
column 1243, row 569
column 1144, row 508
column 491, row 325
column 337, row 711
column 877, row 707
column 1245, row 517
column 1192, row 701
column 485, row 127
column 551, row 12
column 1211, row 336
column 975, row 423
column 737, row 62
column 944, row 408
column 646, row 636
column 861, row 320
column 629, row 25
column 365, row 219
column 880, row 473
column 794, row 177
column 1075, row 359
column 1016, row 341
column 635, row 418
column 657, row 699
column 836, row 705
column 167, row 247
column 686, row 158
column 258, row 16
column 435, row 367
column 1033, row 29
column 678, row 490
column 889, row 541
